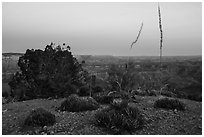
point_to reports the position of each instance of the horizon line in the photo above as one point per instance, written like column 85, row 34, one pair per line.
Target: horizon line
column 110, row 55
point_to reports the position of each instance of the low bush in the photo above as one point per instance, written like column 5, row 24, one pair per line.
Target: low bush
column 140, row 93
column 84, row 91
column 167, row 103
column 70, row 90
column 168, row 94
column 40, row 117
column 103, row 98
column 118, row 120
column 152, row 93
column 75, row 103
column 120, row 94
column 97, row 89
column 5, row 94
column 124, row 95
column 119, row 103
column 195, row 97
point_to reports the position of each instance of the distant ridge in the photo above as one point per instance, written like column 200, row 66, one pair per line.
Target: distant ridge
column 12, row 54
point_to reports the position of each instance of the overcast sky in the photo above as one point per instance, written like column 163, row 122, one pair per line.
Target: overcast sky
column 103, row 28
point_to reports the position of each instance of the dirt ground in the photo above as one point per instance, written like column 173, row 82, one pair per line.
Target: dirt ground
column 157, row 121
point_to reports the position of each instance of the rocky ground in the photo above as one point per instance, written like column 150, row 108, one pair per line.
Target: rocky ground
column 157, row 121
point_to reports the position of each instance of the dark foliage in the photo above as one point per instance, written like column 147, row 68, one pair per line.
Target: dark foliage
column 84, row 91
column 103, row 98
column 119, row 103
column 40, row 117
column 75, row 103
column 167, row 103
column 168, row 94
column 118, row 120
column 152, row 93
column 142, row 92
column 97, row 89
column 49, row 73
column 5, row 94
column 196, row 97
column 72, row 89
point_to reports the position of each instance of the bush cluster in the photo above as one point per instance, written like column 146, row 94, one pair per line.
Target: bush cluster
column 167, row 103
column 119, row 119
column 75, row 103
column 40, row 117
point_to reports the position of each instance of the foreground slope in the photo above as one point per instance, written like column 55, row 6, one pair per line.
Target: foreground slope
column 157, row 121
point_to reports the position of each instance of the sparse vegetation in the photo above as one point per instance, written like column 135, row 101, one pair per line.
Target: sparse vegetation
column 40, row 117
column 101, row 94
column 74, row 103
column 118, row 119
column 167, row 103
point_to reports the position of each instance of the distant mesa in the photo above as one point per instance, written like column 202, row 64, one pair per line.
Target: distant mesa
column 12, row 54
column 85, row 57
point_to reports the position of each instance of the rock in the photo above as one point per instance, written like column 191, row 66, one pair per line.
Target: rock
column 49, row 98
column 36, row 132
column 43, row 133
column 52, row 132
column 4, row 110
column 45, row 128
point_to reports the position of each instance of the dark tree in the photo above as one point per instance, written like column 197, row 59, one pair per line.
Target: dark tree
column 53, row 72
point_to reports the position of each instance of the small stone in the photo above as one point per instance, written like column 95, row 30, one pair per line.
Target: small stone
column 36, row 132
column 45, row 128
column 52, row 132
column 43, row 133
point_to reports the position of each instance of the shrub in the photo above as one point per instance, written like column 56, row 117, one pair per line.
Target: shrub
column 97, row 89
column 49, row 72
column 103, row 98
column 124, row 119
column 40, row 117
column 140, row 93
column 195, row 97
column 168, row 94
column 119, row 103
column 124, row 95
column 75, row 104
column 70, row 90
column 5, row 94
column 167, row 103
column 152, row 93
column 84, row 91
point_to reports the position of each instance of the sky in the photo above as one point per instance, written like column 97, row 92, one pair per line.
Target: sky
column 103, row 28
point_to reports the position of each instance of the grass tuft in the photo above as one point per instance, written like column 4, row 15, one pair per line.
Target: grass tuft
column 75, row 103
column 40, row 117
column 118, row 120
column 167, row 103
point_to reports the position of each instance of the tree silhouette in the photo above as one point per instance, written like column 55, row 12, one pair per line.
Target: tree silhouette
column 53, row 72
